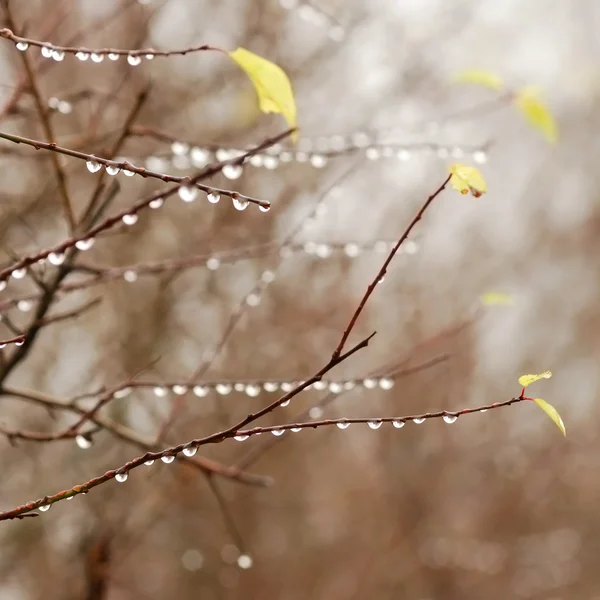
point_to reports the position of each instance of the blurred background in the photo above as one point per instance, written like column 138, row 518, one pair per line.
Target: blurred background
column 214, row 310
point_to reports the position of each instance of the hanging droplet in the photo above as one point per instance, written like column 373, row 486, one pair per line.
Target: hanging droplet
column 200, row 391
column 24, row 305
column 112, row 170
column 168, row 459
column 128, row 173
column 316, row 412
column 318, row 161
column 370, row 384
column 223, row 388
column 264, row 207
column 19, row 273
column 335, row 387
column 44, row 508
column 352, row 250
column 93, row 166
column 179, row 148
column 374, row 424
column 199, row 156
column 22, row 46
column 179, row 389
column 418, row 421
column 253, row 299
column 239, row 203
column 450, row 418
column 130, row 276
column 239, row 386
column 403, row 154
column 349, row 385
column 252, row 390
column 122, row 393
column 319, row 385
column 121, row 477
column 84, row 245
column 372, row 153
column 190, row 450
column 343, row 425
column 98, row 58
column 112, row 56
column 244, row 561
column 58, row 55
column 46, row 51
column 278, row 432
column 287, row 386
column 443, row 152
column 160, row 392
column 3, row 285
column 232, row 171
column 285, row 403
column 83, row 56
column 270, row 386
column 268, row 277
column 149, row 56
column 134, row 59
column 241, row 438
column 385, row 383
column 188, row 193
column 213, row 197
column 256, row 160
column 398, row 424
column 480, row 157
column 270, row 162
column 296, row 429
column 83, row 441
column 157, row 203
column 130, row 219
column 149, row 463
column 483, row 410
column 213, row 263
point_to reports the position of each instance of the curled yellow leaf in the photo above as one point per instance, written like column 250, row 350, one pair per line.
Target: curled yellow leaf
column 275, row 94
column 537, row 113
column 479, row 77
column 467, row 179
column 526, row 380
column 496, row 299
column 552, row 413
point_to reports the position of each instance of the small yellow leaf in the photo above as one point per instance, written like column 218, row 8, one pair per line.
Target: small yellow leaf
column 552, row 413
column 496, row 298
column 479, row 77
column 275, row 94
column 526, row 380
column 537, row 113
column 467, row 179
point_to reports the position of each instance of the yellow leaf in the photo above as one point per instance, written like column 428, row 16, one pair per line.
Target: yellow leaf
column 496, row 298
column 552, row 413
column 526, row 380
column 537, row 113
column 467, row 179
column 479, row 77
column 275, row 94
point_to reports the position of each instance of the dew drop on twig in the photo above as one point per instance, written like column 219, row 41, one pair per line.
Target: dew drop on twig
column 134, row 59
column 121, row 477
column 398, row 424
column 190, row 450
column 168, row 459
column 418, row 421
column 450, row 418
column 44, row 508
column 22, row 46
column 98, row 58
column 241, row 438
column 374, row 424
column 83, row 441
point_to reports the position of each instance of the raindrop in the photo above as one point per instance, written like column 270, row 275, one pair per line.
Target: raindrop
column 268, row 277
column 98, row 58
column 483, row 410
column 278, row 432
column 82, row 55
column 253, row 299
column 370, row 384
column 188, row 193
column 130, row 276
column 112, row 56
column 411, row 247
column 343, row 425
column 134, row 59
column 419, row 421
column 168, row 459
column 190, row 450
column 232, row 171
column 58, row 55
column 85, row 244
column 403, row 154
column 19, row 273
column 296, row 429
column 149, row 56
column 480, row 157
column 83, row 442
column 335, row 387
column 122, row 393
column 256, row 160
column 179, row 389
column 316, row 412
column 200, row 391
column 320, row 385
column 323, row 251
column 223, row 388
column 3, row 285
column 372, row 153
column 149, row 463
column 112, row 170
column 213, row 263
column 351, row 250
column 44, row 508
column 24, row 305
column 270, row 162
column 22, row 46
column 157, row 203
column 93, row 166
column 179, row 148
column 241, row 438
column 160, row 392
column 213, row 197
column 349, row 385
column 318, row 161
column 301, row 157
column 239, row 203
column 450, row 418
column 244, row 561
column 287, row 386
column 199, row 156
column 385, row 383
column 252, row 390
column 64, row 107
column 264, row 207
column 374, row 424
column 398, row 424
column 130, row 219
column 121, row 477
column 127, row 173
column 239, row 387
column 46, row 51
column 285, row 403
column 270, row 386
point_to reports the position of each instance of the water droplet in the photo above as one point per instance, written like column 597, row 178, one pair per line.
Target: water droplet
column 98, row 58
column 179, row 148
column 480, row 157
column 244, row 561
column 256, row 160
column 160, row 392
column 83, row 56
column 157, row 203
column 179, row 389
column 239, row 203
column 264, row 207
column 372, row 153
column 83, row 442
column 268, row 277
column 127, row 173
column 385, row 383
column 44, row 508
column 134, row 59
column 270, row 162
column 411, row 247
column 285, row 403
column 483, row 410
column 122, row 477
column 130, row 219
column 3, row 285
column 168, row 459
column 349, row 385
column 190, row 450
column 19, row 273
column 278, row 432
column 343, row 425
column 130, row 276
column 296, row 429
column 199, row 156
column 149, row 463
column 112, row 56
column 335, row 387
column 318, row 161
column 24, row 305
column 270, row 386
column 213, row 197
column 323, row 251
column 93, row 166
column 200, row 391
column 418, row 421
column 252, row 390
column 370, row 384
column 188, row 193
column 374, row 424
column 398, row 424
column 253, row 299
column 239, row 386
column 58, row 55
column 287, row 386
column 403, row 154
column 112, row 170
column 64, row 107
column 22, row 46
column 70, row 498
column 85, row 244
column 316, row 412
column 122, row 393
column 241, row 438
column 352, row 250
column 320, row 385
column 223, row 388
column 232, row 171
column 149, row 56
column 46, row 51
column 450, row 418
